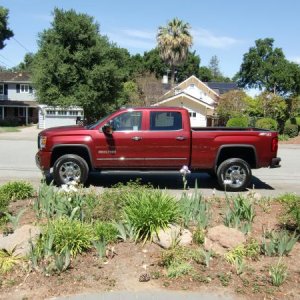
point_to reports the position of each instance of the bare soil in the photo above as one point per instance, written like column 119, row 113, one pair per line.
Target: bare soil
column 122, row 270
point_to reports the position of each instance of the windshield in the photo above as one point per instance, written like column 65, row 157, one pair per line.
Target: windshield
column 93, row 125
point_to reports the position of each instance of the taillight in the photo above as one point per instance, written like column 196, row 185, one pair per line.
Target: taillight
column 274, row 146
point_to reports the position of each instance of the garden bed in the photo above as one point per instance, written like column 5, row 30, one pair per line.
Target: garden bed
column 143, row 265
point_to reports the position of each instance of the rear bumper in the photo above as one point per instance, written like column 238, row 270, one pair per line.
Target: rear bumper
column 275, row 162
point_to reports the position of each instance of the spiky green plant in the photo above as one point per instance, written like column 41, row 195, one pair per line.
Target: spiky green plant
column 278, row 243
column 8, row 259
column 278, row 273
column 195, row 208
column 149, row 211
column 239, row 213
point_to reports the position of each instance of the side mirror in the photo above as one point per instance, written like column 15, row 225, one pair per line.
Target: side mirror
column 107, row 129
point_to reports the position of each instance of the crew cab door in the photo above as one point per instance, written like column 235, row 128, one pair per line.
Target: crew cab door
column 122, row 148
column 166, row 143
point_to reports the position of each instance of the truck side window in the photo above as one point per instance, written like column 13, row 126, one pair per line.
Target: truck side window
column 160, row 120
column 127, row 121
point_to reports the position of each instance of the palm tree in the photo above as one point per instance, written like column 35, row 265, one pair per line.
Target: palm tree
column 174, row 41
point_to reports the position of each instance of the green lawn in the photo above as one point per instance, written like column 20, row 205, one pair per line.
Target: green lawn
column 9, row 129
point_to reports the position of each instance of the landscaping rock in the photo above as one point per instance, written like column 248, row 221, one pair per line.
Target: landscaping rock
column 20, row 240
column 173, row 234
column 221, row 239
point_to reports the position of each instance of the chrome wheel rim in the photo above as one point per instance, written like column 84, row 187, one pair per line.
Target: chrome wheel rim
column 69, row 171
column 235, row 176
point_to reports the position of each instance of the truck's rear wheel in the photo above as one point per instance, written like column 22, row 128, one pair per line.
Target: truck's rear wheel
column 70, row 167
column 234, row 174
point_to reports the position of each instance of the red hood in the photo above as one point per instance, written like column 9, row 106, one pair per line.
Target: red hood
column 62, row 129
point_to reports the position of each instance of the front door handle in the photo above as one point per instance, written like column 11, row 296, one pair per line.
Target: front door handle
column 136, row 138
column 181, row 138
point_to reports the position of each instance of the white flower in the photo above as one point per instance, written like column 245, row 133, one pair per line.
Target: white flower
column 227, row 181
column 184, row 170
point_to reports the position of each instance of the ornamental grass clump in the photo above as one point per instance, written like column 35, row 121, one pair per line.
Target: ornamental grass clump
column 150, row 210
column 17, row 190
column 64, row 234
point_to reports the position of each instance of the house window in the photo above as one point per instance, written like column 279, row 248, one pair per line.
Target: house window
column 73, row 112
column 50, row 112
column 24, row 88
column 193, row 114
column 20, row 112
column 192, row 85
column 62, row 112
column 1, row 89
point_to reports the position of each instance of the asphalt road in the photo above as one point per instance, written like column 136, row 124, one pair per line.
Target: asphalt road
column 17, row 151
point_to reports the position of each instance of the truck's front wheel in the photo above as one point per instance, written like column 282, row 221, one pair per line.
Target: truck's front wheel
column 234, row 174
column 70, row 167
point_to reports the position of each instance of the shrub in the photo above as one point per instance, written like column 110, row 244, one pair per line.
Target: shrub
column 112, row 201
column 241, row 122
column 291, row 130
column 62, row 234
column 267, row 123
column 291, row 214
column 283, row 137
column 17, row 190
column 4, row 201
column 105, row 231
column 150, row 210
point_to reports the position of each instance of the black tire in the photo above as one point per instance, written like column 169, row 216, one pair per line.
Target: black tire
column 234, row 175
column 70, row 167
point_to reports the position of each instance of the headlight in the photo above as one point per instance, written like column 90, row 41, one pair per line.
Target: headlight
column 42, row 142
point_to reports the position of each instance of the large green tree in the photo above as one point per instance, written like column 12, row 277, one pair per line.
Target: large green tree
column 76, row 66
column 5, row 32
column 174, row 41
column 232, row 104
column 266, row 68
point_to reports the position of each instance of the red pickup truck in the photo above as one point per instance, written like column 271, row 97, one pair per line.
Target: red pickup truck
column 155, row 138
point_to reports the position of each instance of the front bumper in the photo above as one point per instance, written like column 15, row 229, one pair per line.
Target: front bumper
column 275, row 162
column 42, row 160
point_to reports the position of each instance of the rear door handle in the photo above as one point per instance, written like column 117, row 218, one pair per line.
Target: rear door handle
column 181, row 138
column 136, row 138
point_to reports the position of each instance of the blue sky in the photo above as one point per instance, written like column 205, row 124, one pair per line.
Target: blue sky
column 225, row 28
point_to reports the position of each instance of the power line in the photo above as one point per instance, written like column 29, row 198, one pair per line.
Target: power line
column 20, row 44
column 9, row 60
column 2, row 62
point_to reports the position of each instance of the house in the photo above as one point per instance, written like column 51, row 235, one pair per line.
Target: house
column 197, row 97
column 222, row 87
column 17, row 100
column 18, row 104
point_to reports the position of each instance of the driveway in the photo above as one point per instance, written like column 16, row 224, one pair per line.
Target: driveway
column 17, row 151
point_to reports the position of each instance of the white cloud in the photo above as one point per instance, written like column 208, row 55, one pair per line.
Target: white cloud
column 206, row 38
column 132, row 38
column 147, row 35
